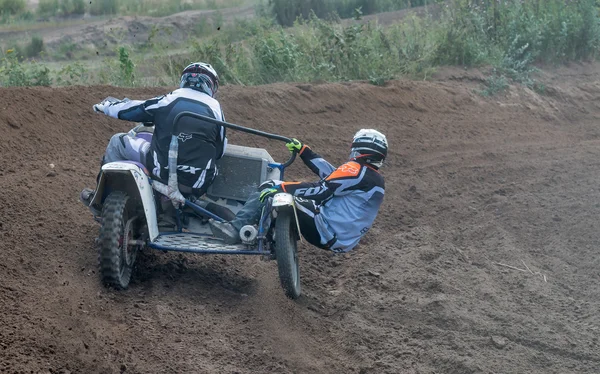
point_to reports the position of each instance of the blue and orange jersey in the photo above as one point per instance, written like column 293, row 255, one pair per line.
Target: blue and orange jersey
column 348, row 198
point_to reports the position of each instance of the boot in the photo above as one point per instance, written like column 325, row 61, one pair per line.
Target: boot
column 225, row 231
column 86, row 197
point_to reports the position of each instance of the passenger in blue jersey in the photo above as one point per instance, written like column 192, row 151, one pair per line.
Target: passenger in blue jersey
column 201, row 143
column 335, row 212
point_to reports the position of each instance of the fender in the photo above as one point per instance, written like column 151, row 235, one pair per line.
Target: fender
column 283, row 200
column 133, row 180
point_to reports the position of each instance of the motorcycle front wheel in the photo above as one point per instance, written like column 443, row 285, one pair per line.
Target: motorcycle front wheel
column 286, row 252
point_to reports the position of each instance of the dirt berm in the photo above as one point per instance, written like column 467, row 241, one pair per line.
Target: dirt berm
column 484, row 258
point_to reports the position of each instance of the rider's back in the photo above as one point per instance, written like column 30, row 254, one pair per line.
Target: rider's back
column 200, row 143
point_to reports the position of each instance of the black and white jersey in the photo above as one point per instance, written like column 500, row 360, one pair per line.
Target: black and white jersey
column 200, row 143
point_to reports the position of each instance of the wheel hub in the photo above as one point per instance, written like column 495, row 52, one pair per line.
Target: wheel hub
column 129, row 249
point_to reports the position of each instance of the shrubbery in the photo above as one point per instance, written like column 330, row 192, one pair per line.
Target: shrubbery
column 287, row 11
column 30, row 50
column 510, row 35
column 104, row 7
column 35, row 47
column 72, row 7
column 319, row 50
column 51, row 8
column 12, row 7
column 47, row 8
column 15, row 73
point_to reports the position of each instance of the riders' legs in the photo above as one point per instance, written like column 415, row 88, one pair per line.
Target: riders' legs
column 123, row 147
column 250, row 212
column 306, row 210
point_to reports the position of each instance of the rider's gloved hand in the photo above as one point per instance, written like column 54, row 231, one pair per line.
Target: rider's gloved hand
column 269, row 184
column 295, row 145
column 100, row 107
column 267, row 192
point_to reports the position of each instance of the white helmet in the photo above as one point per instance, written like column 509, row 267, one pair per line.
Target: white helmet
column 200, row 76
column 370, row 146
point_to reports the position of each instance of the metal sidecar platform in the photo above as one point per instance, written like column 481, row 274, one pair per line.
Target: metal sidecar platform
column 198, row 243
column 189, row 242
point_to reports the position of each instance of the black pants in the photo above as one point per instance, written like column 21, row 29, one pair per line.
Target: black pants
column 307, row 209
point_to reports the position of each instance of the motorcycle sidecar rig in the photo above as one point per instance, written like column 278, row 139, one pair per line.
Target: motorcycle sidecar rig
column 129, row 202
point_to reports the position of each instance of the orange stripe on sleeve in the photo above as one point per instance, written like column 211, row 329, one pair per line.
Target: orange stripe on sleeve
column 287, row 183
column 349, row 169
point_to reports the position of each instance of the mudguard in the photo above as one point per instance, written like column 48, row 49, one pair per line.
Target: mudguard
column 133, row 180
column 284, row 199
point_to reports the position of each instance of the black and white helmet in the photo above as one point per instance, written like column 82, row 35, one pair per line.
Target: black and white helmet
column 370, row 146
column 200, row 76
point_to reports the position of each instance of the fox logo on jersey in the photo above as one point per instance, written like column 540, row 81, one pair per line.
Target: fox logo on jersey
column 183, row 137
column 350, row 169
column 309, row 191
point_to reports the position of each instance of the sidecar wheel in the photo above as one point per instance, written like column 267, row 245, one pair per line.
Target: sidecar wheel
column 116, row 255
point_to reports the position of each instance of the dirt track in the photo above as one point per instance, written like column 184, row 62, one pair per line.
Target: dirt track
column 471, row 183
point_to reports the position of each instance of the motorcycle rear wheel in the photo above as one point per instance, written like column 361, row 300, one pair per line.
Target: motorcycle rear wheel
column 117, row 255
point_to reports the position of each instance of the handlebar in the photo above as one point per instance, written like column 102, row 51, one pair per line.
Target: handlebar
column 235, row 127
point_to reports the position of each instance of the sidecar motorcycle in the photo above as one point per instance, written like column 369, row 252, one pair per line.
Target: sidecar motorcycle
column 127, row 203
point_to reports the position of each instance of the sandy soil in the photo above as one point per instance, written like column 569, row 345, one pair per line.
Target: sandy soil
column 476, row 190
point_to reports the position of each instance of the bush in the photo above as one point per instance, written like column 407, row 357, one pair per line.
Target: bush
column 546, row 31
column 66, row 49
column 35, row 47
column 495, row 84
column 512, row 35
column 320, row 50
column 72, row 7
column 15, row 73
column 51, row 8
column 48, row 8
column 126, row 67
column 12, row 7
column 72, row 74
column 461, row 37
column 104, row 7
column 286, row 12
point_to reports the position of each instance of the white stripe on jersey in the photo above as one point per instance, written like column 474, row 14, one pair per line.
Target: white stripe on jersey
column 202, row 176
column 156, row 170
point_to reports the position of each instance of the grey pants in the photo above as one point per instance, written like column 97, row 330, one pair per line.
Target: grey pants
column 250, row 212
column 123, row 147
